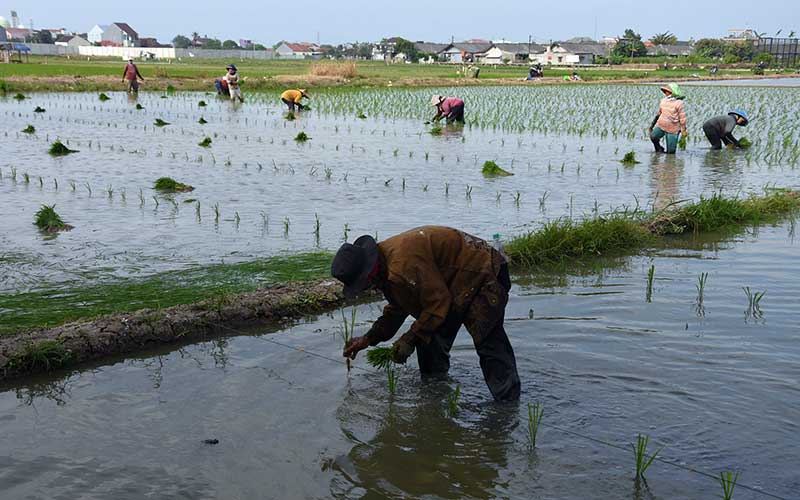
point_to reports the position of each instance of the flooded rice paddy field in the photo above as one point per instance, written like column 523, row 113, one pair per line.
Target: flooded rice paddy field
column 378, row 175
column 716, row 385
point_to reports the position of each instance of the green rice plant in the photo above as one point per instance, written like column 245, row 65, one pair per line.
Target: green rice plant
column 141, row 197
column 41, row 182
column 745, row 143
column 59, row 149
column 14, row 174
column 629, row 158
column 88, row 188
column 123, row 195
column 110, row 191
column 468, row 192
column 361, row 115
column 346, row 231
column 202, row 121
column 202, row 104
column 643, row 461
column 436, row 130
column 160, row 123
column 139, row 107
column 103, row 97
column 205, row 143
column 30, row 129
column 535, row 414
column 317, row 226
column 301, row 137
column 170, row 185
column 47, row 220
column 155, row 200
column 452, row 401
column 72, row 185
column 348, row 328
column 727, row 480
column 381, row 357
column 286, row 225
column 682, row 142
column 491, row 169
column 517, row 199
column 39, row 109
column 55, row 183
column 754, row 302
column 19, row 97
column 290, row 116
column 650, row 277
column 391, row 379
column 236, row 218
column 701, row 288
column 216, row 213
column 26, row 179
column 328, row 173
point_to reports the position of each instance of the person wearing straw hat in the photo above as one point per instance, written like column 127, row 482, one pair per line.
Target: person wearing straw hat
column 670, row 121
column 232, row 78
column 293, row 98
column 444, row 278
column 449, row 108
column 719, row 129
column 131, row 77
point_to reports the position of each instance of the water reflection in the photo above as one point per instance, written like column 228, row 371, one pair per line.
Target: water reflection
column 666, row 178
column 418, row 451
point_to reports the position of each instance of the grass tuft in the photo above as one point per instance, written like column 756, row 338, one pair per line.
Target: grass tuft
column 41, row 356
column 59, row 149
column 492, row 169
column 48, row 220
column 168, row 184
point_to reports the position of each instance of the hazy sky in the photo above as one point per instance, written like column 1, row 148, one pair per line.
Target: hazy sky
column 350, row 20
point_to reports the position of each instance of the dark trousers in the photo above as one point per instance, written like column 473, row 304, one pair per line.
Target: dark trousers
column 289, row 103
column 497, row 359
column 456, row 114
column 713, row 136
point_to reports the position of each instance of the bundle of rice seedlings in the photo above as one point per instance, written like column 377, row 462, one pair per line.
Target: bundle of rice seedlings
column 160, row 123
column 629, row 158
column 49, row 221
column 139, row 106
column 202, row 104
column 30, row 129
column 205, row 143
column 745, row 143
column 491, row 169
column 103, row 97
column 381, row 357
column 301, row 137
column 436, row 130
column 39, row 109
column 59, row 149
column 19, row 97
column 170, row 185
column 202, row 121
column 290, row 116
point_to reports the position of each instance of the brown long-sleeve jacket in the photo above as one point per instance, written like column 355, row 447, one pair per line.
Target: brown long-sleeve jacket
column 429, row 272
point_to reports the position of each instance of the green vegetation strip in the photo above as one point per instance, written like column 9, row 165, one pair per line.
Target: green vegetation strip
column 40, row 309
column 564, row 240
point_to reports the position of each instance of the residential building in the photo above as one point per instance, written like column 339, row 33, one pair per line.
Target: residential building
column 18, row 34
column 302, row 50
column 3, row 35
column 72, row 41
column 429, row 51
column 245, row 43
column 120, row 35
column 508, row 53
column 567, row 53
column 742, row 35
column 672, row 50
column 95, row 35
column 461, row 52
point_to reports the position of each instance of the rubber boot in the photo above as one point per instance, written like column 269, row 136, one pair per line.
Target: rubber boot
column 657, row 145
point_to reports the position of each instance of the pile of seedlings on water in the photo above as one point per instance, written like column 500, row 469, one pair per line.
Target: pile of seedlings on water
column 301, row 137
column 103, row 97
column 290, row 116
column 205, row 143
column 59, row 149
column 139, row 106
column 492, row 169
column 19, row 97
column 682, row 142
column 39, row 109
column 169, row 185
column 202, row 121
column 160, row 123
column 436, row 130
column 30, row 129
column 47, row 220
column 629, row 158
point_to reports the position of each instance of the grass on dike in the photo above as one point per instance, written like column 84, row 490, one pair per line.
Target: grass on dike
column 56, row 306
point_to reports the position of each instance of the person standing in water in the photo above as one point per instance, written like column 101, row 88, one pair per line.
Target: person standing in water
column 670, row 121
column 232, row 78
column 131, row 77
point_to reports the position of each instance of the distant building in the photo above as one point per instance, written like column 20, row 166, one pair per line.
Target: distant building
column 302, row 50
column 429, row 51
column 508, row 53
column 672, row 50
column 742, row 35
column 245, row 43
column 18, row 34
column 56, row 32
column 461, row 52
column 95, row 35
column 72, row 41
column 120, row 35
column 567, row 53
column 3, row 36
column 151, row 43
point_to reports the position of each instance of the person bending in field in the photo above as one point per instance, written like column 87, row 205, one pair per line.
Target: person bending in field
column 449, row 108
column 719, row 129
column 443, row 278
column 232, row 78
column 293, row 98
column 670, row 121
column 131, row 77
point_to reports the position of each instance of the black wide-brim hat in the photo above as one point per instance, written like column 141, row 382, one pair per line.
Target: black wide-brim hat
column 353, row 264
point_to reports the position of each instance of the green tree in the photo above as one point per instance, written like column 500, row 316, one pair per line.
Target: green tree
column 42, row 36
column 709, row 47
column 403, row 46
column 665, row 38
column 181, row 42
column 630, row 45
column 230, row 45
column 213, row 44
column 258, row 46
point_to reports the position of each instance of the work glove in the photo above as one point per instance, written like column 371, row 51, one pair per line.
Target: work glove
column 403, row 348
column 685, row 133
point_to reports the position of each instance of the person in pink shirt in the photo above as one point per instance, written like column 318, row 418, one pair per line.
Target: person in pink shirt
column 131, row 77
column 670, row 122
column 450, row 108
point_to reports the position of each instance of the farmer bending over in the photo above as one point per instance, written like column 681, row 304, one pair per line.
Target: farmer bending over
column 670, row 120
column 232, row 77
column 719, row 129
column 450, row 108
column 443, row 278
column 131, row 77
column 292, row 98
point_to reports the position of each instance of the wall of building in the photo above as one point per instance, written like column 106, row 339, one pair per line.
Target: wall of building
column 138, row 52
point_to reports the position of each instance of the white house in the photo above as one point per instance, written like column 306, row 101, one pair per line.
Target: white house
column 568, row 54
column 72, row 41
column 462, row 52
column 95, row 35
column 506, row 53
column 302, row 50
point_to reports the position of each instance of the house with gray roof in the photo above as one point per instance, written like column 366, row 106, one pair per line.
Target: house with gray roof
column 461, row 52
column 120, row 35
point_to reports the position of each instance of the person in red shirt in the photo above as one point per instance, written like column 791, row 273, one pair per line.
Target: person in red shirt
column 450, row 108
column 131, row 77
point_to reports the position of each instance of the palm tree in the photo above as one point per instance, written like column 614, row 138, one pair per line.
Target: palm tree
column 665, row 38
column 195, row 39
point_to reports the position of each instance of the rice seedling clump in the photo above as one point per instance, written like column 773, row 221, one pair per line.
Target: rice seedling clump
column 49, row 221
column 301, row 137
column 160, row 123
column 19, row 97
column 39, row 109
column 745, row 143
column 205, row 143
column 381, row 357
column 139, row 106
column 59, row 149
column 290, row 116
column 170, row 185
column 436, row 130
column 30, row 129
column 202, row 121
column 629, row 158
column 492, row 169
column 361, row 115
column 202, row 104
column 103, row 97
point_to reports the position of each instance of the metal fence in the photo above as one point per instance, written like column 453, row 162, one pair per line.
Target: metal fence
column 786, row 51
column 44, row 49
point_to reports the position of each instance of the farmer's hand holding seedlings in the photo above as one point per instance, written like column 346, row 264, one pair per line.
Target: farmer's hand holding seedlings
column 355, row 345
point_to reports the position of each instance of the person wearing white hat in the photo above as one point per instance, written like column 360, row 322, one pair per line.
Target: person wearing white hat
column 232, row 77
column 449, row 108
column 131, row 77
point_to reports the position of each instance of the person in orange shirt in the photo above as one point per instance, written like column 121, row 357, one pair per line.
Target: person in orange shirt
column 292, row 98
column 670, row 122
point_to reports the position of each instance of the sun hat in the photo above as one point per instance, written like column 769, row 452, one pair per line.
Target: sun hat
column 742, row 114
column 303, row 91
column 436, row 99
column 353, row 263
column 231, row 66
